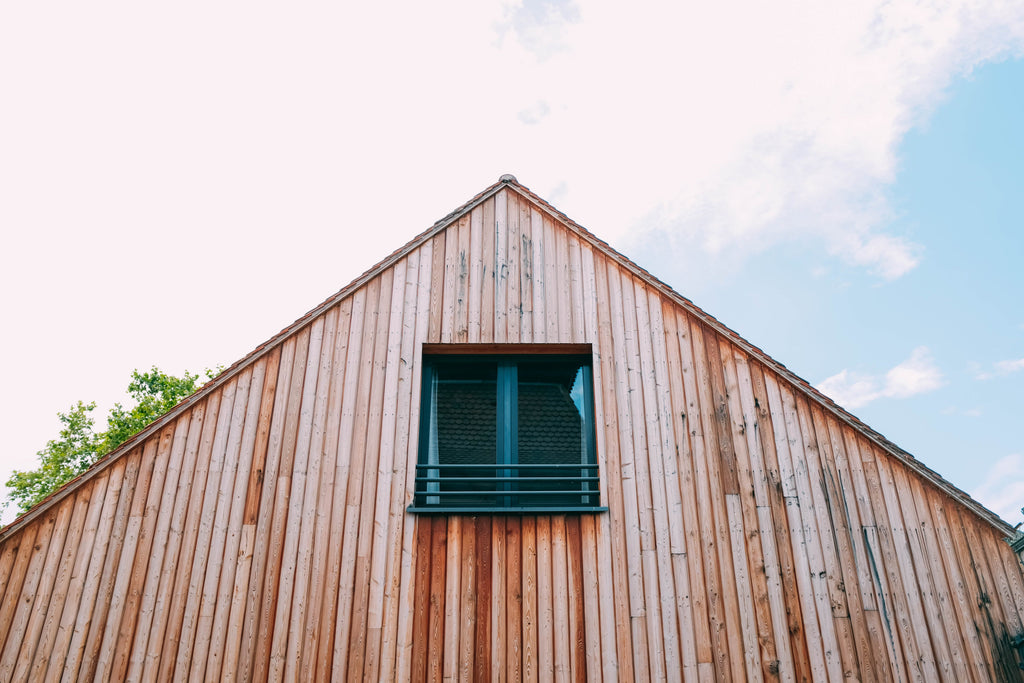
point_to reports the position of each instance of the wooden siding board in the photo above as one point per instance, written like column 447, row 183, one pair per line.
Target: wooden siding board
column 244, row 600
column 803, row 451
column 818, row 457
column 990, row 617
column 634, row 525
column 144, row 510
column 539, row 280
column 488, row 273
column 978, row 660
column 798, row 534
column 303, row 617
column 259, row 604
column 959, row 660
column 25, row 549
column 753, row 531
column 694, row 616
column 269, row 654
column 410, row 562
column 385, row 447
column 501, row 267
column 422, row 606
column 87, row 609
column 482, row 646
column 225, row 456
column 8, row 552
column 512, row 276
column 78, row 580
column 597, row 602
column 766, row 571
column 613, row 526
column 475, row 285
column 331, row 510
column 48, row 602
column 776, row 511
column 526, row 272
column 437, row 279
column 467, row 589
column 235, row 567
column 722, row 599
column 844, row 517
column 31, row 609
column 886, row 532
column 355, row 412
column 515, row 608
column 647, row 613
column 436, row 649
column 165, row 546
column 397, row 555
column 759, row 642
column 371, row 456
column 561, row 626
column 175, row 505
column 498, row 610
column 545, row 631
column 452, row 597
column 583, row 664
column 648, row 308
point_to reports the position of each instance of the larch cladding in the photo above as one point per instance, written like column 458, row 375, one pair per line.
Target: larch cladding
column 754, row 531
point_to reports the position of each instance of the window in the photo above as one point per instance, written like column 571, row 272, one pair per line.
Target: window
column 506, row 433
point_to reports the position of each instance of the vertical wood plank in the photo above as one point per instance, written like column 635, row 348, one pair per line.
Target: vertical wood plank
column 244, row 597
column 436, row 649
column 260, row 600
column 27, row 619
column 515, row 614
column 482, row 647
column 422, row 602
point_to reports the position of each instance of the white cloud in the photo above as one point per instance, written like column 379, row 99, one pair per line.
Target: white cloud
column 1003, row 488
column 535, row 113
column 916, row 375
column 258, row 156
column 1000, row 369
column 782, row 126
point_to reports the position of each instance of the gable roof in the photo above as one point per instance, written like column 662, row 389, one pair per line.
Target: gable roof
column 509, row 182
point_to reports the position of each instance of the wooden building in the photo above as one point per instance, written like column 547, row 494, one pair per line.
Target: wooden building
column 712, row 516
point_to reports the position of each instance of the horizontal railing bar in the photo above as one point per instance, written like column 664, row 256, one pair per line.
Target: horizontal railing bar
column 502, row 480
column 499, row 494
column 507, row 466
column 509, row 510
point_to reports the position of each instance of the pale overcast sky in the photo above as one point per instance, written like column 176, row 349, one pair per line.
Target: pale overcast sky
column 841, row 183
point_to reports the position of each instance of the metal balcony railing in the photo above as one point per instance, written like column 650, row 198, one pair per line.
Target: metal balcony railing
column 506, row 488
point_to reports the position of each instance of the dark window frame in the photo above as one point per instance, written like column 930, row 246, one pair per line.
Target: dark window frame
column 503, row 481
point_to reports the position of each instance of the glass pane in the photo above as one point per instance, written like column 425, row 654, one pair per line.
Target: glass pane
column 551, row 429
column 465, row 428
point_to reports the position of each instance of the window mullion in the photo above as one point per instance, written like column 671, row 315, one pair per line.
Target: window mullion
column 430, row 377
column 508, row 424
column 589, row 449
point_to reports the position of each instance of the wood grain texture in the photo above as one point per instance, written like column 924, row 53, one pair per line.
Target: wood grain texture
column 754, row 531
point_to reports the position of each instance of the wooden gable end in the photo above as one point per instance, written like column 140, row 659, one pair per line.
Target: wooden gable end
column 754, row 531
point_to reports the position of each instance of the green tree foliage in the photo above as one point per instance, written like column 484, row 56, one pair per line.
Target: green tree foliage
column 78, row 446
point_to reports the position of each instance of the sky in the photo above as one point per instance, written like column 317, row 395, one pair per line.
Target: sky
column 840, row 183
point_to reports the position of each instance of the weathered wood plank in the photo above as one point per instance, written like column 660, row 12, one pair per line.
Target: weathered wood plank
column 31, row 607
